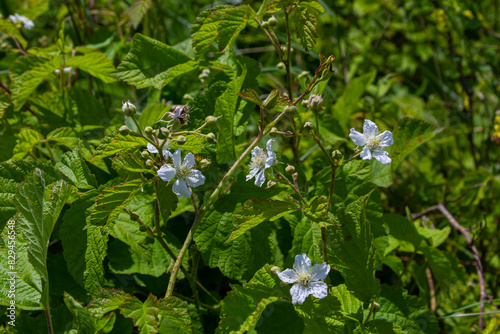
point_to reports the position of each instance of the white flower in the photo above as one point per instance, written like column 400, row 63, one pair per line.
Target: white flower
column 65, row 70
column 372, row 142
column 180, row 113
column 306, row 279
column 260, row 162
column 28, row 24
column 186, row 175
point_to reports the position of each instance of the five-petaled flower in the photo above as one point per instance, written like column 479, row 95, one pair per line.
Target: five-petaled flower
column 306, row 279
column 373, row 142
column 185, row 173
column 260, row 162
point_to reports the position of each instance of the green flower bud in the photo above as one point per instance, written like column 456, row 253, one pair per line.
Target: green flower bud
column 375, row 307
column 128, row 109
column 303, row 74
column 290, row 169
column 181, row 140
column 145, row 155
column 305, row 103
column 124, row 130
column 149, row 164
column 271, row 183
column 134, row 216
column 273, row 132
column 272, row 21
column 316, row 103
column 265, row 24
column 162, row 133
column 204, row 163
column 143, row 228
column 211, row 121
column 210, row 138
column 308, row 125
column 281, row 66
column 338, row 157
column 290, row 109
column 148, row 130
column 275, row 269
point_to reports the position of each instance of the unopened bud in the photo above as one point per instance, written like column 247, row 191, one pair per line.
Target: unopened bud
column 148, row 130
column 275, row 269
column 145, row 154
column 308, row 125
column 303, row 74
column 188, row 97
column 181, row 140
column 316, row 103
column 149, row 164
column 272, row 21
column 281, row 65
column 271, row 183
column 124, row 130
column 210, row 138
column 206, row 71
column 290, row 169
column 134, row 216
column 265, row 24
column 162, row 133
column 202, row 76
column 128, row 109
column 375, row 307
column 273, row 132
column 290, row 109
column 204, row 163
column 338, row 157
column 143, row 228
column 305, row 103
column 211, row 121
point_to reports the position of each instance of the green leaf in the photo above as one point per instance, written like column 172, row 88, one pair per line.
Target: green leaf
column 95, row 64
column 305, row 25
column 30, row 80
column 148, row 62
column 130, row 161
column 351, row 251
column 27, row 139
column 84, row 321
column 350, row 306
column 409, row 312
column 152, row 114
column 137, row 10
column 307, row 239
column 111, row 202
column 226, row 106
column 251, row 96
column 316, row 212
column 321, row 315
column 9, row 28
column 408, row 135
column 73, row 166
column 148, row 316
column 255, row 212
column 64, row 136
column 178, row 71
column 115, row 143
column 346, row 104
column 168, row 200
column 243, row 307
column 38, row 210
column 84, row 249
column 402, row 229
column 446, row 272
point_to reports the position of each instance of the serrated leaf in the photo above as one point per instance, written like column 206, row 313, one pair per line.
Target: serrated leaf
column 137, row 10
column 110, row 203
column 27, row 139
column 84, row 321
column 307, row 239
column 148, row 316
column 95, row 64
column 402, row 229
column 129, row 160
column 350, row 305
column 251, row 96
column 305, row 25
column 9, row 28
column 30, row 80
column 316, row 212
column 168, row 200
column 64, row 136
column 194, row 144
column 38, row 209
column 255, row 212
column 409, row 312
column 177, row 71
column 312, row 5
column 115, row 143
column 73, row 166
column 321, row 315
column 351, row 250
column 408, row 135
column 148, row 62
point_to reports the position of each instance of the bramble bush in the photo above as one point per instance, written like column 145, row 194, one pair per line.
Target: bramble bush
column 286, row 166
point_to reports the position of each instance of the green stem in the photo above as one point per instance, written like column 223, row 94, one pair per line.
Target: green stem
column 291, row 185
column 209, row 203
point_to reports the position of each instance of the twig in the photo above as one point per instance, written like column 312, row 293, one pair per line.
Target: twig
column 432, row 291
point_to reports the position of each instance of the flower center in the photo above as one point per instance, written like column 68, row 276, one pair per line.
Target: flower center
column 183, row 171
column 373, row 142
column 304, row 278
column 258, row 161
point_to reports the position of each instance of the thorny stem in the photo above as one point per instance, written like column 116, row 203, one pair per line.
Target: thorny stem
column 208, row 204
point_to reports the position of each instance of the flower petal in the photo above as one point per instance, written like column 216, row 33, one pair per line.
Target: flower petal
column 382, row 156
column 189, row 160
column 269, row 145
column 288, row 276
column 256, row 151
column 270, row 160
column 357, row 138
column 385, row 139
column 299, row 293
column 370, row 128
column 302, row 263
column 166, row 173
column 252, row 173
column 195, row 178
column 152, row 148
column 166, row 154
column 176, row 158
column 366, row 154
column 260, row 179
column 318, row 289
column 319, row 271
column 180, row 188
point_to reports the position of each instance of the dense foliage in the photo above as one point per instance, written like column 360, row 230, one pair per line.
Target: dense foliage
column 286, row 166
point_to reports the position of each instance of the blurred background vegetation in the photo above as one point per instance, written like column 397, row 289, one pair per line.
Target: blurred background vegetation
column 436, row 61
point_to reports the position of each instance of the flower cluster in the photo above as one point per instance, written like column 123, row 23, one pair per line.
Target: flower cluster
column 373, row 142
column 305, row 279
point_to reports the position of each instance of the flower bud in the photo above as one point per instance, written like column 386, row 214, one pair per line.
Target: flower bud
column 145, row 154
column 272, row 21
column 202, row 76
column 316, row 103
column 290, row 109
column 143, row 228
column 211, row 121
column 303, row 74
column 206, row 71
column 290, row 169
column 308, row 125
column 134, row 216
column 271, row 183
column 181, row 140
column 148, row 130
column 149, row 164
column 124, row 130
column 204, row 163
column 305, row 103
column 188, row 97
column 128, row 109
column 281, row 66
column 162, row 133
column 265, row 24
column 210, row 138
column 338, row 157
column 275, row 269
column 375, row 307
column 273, row 132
